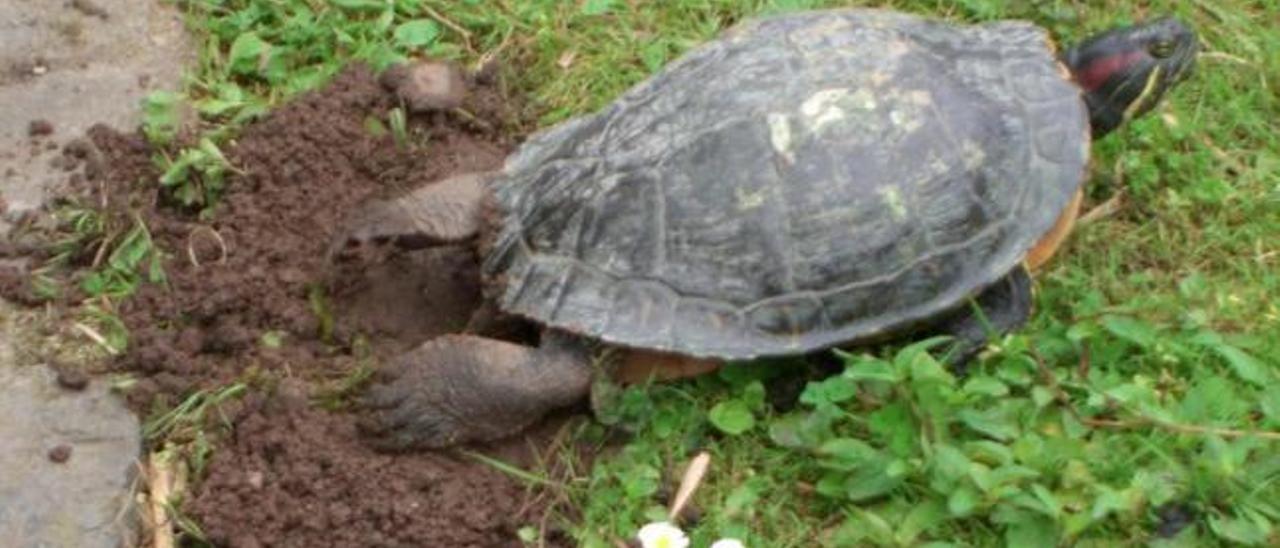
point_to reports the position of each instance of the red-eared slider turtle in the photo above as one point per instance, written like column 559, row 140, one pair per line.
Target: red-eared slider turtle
column 805, row 181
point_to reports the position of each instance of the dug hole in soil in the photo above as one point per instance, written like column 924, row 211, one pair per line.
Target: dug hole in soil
column 251, row 295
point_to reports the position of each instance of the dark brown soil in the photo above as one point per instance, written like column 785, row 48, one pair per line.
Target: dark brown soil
column 250, row 297
column 15, row 285
column 259, row 267
column 294, row 476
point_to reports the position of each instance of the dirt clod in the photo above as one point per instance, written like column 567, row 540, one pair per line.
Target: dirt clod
column 90, row 9
column 427, row 86
column 60, row 454
column 72, row 378
column 15, row 283
column 78, row 148
column 40, row 128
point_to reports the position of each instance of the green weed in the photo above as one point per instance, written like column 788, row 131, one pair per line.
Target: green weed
column 337, row 394
column 195, row 177
column 132, row 259
column 1032, row 449
column 161, row 119
column 189, row 415
column 105, row 257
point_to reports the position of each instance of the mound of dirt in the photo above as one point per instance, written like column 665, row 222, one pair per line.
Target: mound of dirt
column 294, row 476
column 249, row 294
column 259, row 266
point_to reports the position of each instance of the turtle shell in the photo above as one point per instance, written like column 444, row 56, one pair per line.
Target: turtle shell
column 804, row 181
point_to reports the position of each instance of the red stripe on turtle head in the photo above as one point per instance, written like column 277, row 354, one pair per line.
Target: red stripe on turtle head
column 1101, row 69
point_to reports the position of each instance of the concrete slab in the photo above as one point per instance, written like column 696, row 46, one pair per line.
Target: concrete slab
column 74, row 63
column 68, row 459
column 68, row 463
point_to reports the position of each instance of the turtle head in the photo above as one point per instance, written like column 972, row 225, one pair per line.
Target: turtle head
column 1124, row 72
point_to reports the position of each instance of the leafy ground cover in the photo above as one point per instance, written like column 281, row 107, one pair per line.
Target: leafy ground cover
column 1141, row 406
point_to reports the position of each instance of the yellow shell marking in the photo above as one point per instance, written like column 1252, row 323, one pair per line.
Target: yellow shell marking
column 1052, row 240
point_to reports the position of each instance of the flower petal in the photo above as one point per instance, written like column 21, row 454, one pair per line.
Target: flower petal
column 661, row 534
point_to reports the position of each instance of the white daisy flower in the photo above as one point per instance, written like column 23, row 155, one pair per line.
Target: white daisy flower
column 661, row 534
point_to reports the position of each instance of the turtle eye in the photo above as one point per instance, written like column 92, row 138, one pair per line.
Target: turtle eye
column 1161, row 48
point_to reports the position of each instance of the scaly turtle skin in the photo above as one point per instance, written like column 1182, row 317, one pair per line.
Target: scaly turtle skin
column 805, row 181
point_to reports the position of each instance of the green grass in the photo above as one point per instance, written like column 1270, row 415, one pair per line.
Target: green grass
column 1147, row 372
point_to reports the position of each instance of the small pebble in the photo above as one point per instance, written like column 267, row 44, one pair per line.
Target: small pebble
column 1173, row 518
column 60, row 454
column 256, row 479
column 427, row 86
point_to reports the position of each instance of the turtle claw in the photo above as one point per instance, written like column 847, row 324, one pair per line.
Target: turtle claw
column 459, row 388
column 1005, row 306
column 410, row 424
column 401, row 422
column 402, row 410
column 369, row 229
column 404, row 439
column 382, row 396
column 443, row 212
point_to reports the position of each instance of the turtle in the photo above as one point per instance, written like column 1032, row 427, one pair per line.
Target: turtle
column 804, row 181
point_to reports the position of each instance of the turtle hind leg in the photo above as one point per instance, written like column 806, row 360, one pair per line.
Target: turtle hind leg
column 460, row 388
column 445, row 212
column 1002, row 308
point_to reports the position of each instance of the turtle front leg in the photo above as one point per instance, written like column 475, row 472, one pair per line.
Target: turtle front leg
column 1005, row 307
column 445, row 212
column 462, row 388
